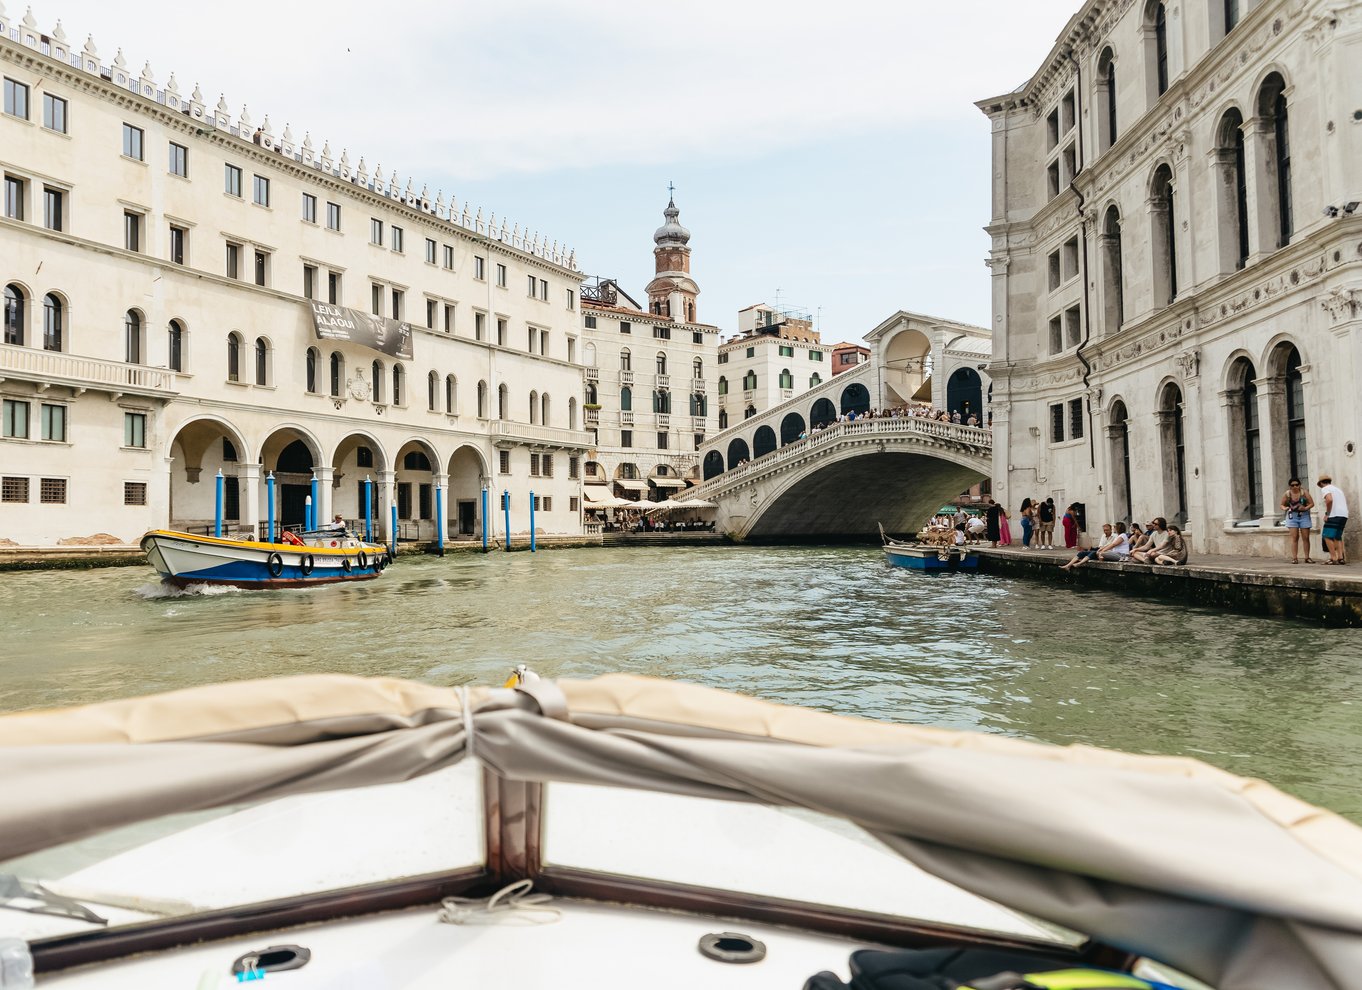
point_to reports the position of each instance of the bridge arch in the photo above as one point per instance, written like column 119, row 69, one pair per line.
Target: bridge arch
column 907, row 357
column 855, row 398
column 714, row 464
column 823, row 412
column 790, row 428
column 737, row 453
column 763, row 442
column 965, row 393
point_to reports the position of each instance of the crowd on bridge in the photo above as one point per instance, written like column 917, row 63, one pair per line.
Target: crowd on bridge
column 913, row 411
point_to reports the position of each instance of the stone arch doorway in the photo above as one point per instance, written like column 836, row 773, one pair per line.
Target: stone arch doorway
column 414, row 476
column 357, row 458
column 467, row 475
column 201, row 448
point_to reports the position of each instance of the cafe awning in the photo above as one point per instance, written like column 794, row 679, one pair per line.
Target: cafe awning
column 598, row 496
column 632, row 484
column 669, row 482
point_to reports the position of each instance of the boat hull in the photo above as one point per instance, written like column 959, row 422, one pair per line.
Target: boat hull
column 183, row 559
column 932, row 559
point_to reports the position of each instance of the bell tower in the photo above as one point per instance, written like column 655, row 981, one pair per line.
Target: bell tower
column 672, row 291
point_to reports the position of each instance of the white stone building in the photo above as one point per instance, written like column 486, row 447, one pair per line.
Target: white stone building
column 776, row 356
column 648, row 390
column 157, row 257
column 1177, row 264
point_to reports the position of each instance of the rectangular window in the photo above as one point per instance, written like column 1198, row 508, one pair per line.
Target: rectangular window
column 479, row 326
column 574, row 468
column 449, row 318
column 52, row 491
column 1052, row 180
column 1052, row 131
column 501, row 333
column 589, row 322
column 1054, row 271
column 662, row 333
column 534, row 465
column 261, row 190
column 233, row 260
column 697, row 337
column 501, row 276
column 548, row 503
column 504, row 461
column 571, row 299
column 13, row 489
column 1056, row 335
column 15, row 420
column 480, row 269
column 134, row 429
column 533, row 283
column 574, row 503
column 1066, row 117
column 333, row 216
column 134, row 493
column 404, row 500
column 1057, row 423
column 14, row 197
column 16, row 100
column 1070, row 159
column 376, row 231
column 430, row 251
column 178, row 236
column 231, row 498
column 546, row 464
column 232, row 181
column 1071, row 259
column 309, row 208
column 544, row 290
column 1075, row 419
column 432, row 311
column 398, row 239
column 262, row 268
column 533, row 337
column 132, row 142
column 1073, row 326
column 751, row 352
column 423, row 495
column 661, row 441
column 54, row 113
column 815, row 355
column 333, row 288
column 399, row 300
column 54, row 423
column 699, row 440
column 722, row 358
column 309, row 282
column 572, row 349
column 786, row 351
column 54, row 213
column 132, row 231
column 179, row 160
column 449, row 257
column 626, row 327
column 626, row 438
column 376, row 299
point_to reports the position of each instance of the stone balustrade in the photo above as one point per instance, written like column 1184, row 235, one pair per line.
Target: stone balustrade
column 57, row 368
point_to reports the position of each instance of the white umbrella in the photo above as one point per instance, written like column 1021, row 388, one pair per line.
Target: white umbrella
column 642, row 503
column 696, row 503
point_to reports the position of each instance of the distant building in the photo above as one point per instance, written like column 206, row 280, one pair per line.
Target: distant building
column 776, row 356
column 847, row 356
column 1177, row 265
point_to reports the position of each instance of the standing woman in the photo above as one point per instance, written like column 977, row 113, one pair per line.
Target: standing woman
column 1298, row 503
column 1027, row 522
column 993, row 522
column 1070, row 522
column 1004, row 528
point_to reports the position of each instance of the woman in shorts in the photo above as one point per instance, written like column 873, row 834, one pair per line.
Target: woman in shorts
column 1297, row 503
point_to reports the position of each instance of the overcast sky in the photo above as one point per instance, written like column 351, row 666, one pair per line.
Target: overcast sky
column 825, row 154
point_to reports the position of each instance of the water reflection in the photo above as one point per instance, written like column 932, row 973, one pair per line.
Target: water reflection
column 831, row 628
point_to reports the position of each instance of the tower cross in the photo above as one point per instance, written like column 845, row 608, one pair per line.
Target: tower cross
column 671, row 190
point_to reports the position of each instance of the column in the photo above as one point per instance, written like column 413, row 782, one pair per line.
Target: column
column 251, row 493
column 1260, row 183
column 326, row 479
column 1236, row 484
column 1274, row 450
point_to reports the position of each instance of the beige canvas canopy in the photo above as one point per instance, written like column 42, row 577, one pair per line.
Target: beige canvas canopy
column 1223, row 877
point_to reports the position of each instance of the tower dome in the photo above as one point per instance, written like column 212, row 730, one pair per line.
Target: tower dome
column 671, row 233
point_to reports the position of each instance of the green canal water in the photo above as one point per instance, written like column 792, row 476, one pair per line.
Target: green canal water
column 830, row 628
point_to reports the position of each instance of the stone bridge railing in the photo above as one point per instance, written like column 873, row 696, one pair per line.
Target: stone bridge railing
column 830, row 389
column 973, row 440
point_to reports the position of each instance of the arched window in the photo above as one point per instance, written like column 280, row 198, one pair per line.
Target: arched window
column 337, row 374
column 262, row 361
column 723, row 419
column 625, row 360
column 482, row 400
column 1246, row 460
column 233, row 357
column 589, row 355
column 786, row 378
column 534, row 407
column 175, row 345
column 749, row 412
column 1164, row 241
column 14, row 315
column 376, row 381
column 723, row 384
column 1295, row 416
column 399, row 378
column 451, row 394
column 432, row 391
column 699, row 404
column 661, row 363
column 132, row 337
column 1174, row 446
column 591, row 394
column 1224, row 17
column 503, row 402
column 626, row 399
column 1275, row 206
column 313, row 356
column 1232, row 190
column 749, row 381
column 1158, row 14
column 544, row 409
column 52, row 323
column 1106, row 100
column 572, row 412
column 662, row 401
column 1113, row 284
column 815, row 379
column 1118, row 433
column 697, row 369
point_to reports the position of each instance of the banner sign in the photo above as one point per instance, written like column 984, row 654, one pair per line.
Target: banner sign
column 338, row 323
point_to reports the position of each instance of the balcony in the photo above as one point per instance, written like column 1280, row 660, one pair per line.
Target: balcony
column 786, row 394
column 626, row 376
column 662, row 381
column 591, row 374
column 592, row 417
column 697, row 384
column 507, row 432
column 664, row 421
column 749, row 396
column 56, row 368
column 698, row 424
column 723, row 399
column 627, row 418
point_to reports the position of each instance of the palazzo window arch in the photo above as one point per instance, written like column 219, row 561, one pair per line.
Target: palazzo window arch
column 697, row 369
column 1275, row 205
column 376, row 381
column 432, row 391
column 177, row 343
column 661, row 362
column 399, row 382
column 1113, row 279
column 234, row 343
column 544, row 409
column 1163, row 216
column 1173, row 444
column 534, row 407
column 572, row 412
column 1156, row 48
column 626, row 399
column 14, row 315
column 54, row 320
column 1232, row 192
column 482, row 400
column 132, row 337
column 451, row 394
column 1107, row 129
column 626, row 360
column 262, row 361
column 1286, row 390
column 313, row 359
column 503, row 402
column 337, row 374
column 723, row 384
column 786, row 378
column 1240, row 400
column 1118, row 435
column 749, row 381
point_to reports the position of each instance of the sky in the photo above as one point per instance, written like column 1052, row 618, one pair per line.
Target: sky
column 826, row 157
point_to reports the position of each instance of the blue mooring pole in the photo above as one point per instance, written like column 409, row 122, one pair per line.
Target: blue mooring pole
column 217, row 511
column 440, row 519
column 307, row 513
column 312, row 506
column 531, row 522
column 392, row 532
column 368, row 510
column 269, row 498
column 506, row 505
column 484, row 520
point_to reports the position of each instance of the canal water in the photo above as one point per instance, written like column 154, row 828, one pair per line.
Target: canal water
column 830, row 628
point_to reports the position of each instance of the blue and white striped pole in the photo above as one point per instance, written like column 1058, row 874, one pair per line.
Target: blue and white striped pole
column 269, row 499
column 217, row 510
column 368, row 510
column 392, row 532
column 531, row 522
column 307, row 514
column 440, row 519
column 484, row 520
column 312, row 505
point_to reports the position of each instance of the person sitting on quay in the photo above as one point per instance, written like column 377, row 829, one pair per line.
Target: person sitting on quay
column 1115, row 547
column 1173, row 552
column 1139, row 539
column 1156, row 536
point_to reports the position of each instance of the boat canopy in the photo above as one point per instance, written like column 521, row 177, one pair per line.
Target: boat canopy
column 1224, row 877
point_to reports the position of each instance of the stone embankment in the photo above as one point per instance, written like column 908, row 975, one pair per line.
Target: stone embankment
column 1256, row 585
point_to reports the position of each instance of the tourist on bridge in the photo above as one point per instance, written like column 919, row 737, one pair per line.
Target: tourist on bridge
column 1335, row 518
column 1298, row 503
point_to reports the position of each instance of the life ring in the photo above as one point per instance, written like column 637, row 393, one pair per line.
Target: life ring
column 345, row 564
column 380, row 562
column 306, row 563
column 276, row 564
column 363, row 560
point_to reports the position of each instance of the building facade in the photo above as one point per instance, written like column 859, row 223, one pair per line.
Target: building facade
column 161, row 260
column 1177, row 264
column 648, row 389
column 776, row 356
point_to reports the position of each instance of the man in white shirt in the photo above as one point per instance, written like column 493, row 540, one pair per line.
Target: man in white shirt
column 1118, row 548
column 1335, row 518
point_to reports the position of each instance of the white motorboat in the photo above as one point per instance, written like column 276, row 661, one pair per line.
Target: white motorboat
column 339, row 832
column 309, row 559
